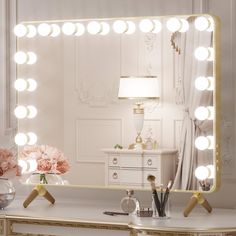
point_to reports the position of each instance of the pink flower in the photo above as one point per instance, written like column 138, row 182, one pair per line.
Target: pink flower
column 62, row 167
column 44, row 165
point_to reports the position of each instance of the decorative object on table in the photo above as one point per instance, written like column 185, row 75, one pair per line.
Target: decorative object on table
column 49, row 163
column 129, row 204
column 145, row 212
column 118, row 146
column 8, row 169
column 160, row 205
column 139, row 88
column 149, row 140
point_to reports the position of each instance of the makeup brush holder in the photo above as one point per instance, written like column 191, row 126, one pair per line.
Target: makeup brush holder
column 163, row 212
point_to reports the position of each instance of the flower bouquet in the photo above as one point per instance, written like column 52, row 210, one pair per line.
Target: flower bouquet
column 46, row 161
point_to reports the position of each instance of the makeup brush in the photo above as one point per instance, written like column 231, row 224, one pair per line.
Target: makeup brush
column 151, row 179
column 166, row 195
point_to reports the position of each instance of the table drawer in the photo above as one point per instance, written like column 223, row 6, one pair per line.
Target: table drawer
column 131, row 177
column 114, row 176
column 152, row 162
column 114, row 160
column 131, row 161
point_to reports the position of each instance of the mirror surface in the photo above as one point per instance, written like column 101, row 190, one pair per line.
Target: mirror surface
column 77, row 66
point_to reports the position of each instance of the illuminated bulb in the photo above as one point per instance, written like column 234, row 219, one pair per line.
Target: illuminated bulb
column 173, row 24
column 56, row 30
column 131, row 27
column 211, row 171
column 32, row 138
column 80, row 29
column 94, row 27
column 201, row 53
column 20, row 30
column 202, row 83
column 32, row 31
column 184, row 26
column 20, row 85
column 32, row 58
column 211, row 141
column 20, row 112
column 32, row 112
column 146, row 26
column 105, row 28
column 24, row 166
column 21, row 139
column 69, row 28
column 202, row 143
column 32, row 85
column 20, row 57
column 120, row 26
column 44, row 29
column 212, row 84
column 211, row 56
column 202, row 173
column 201, row 23
column 203, row 113
column 211, row 27
column 158, row 26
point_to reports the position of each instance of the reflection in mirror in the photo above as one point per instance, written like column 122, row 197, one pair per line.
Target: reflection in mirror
column 74, row 130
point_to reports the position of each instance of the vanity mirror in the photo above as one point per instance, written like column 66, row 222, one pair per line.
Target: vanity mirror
column 68, row 75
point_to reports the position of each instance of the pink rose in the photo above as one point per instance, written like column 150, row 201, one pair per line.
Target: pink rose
column 62, row 167
column 44, row 165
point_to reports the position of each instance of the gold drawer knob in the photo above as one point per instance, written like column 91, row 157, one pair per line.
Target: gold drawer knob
column 115, row 176
column 149, row 162
column 115, row 161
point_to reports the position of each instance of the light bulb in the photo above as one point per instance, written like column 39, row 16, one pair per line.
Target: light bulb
column 120, row 26
column 203, row 113
column 94, row 27
column 173, row 24
column 202, row 143
column 211, row 142
column 32, row 138
column 131, row 27
column 20, row 57
column 201, row 173
column 20, row 85
column 44, row 29
column 105, row 28
column 201, row 53
column 184, row 26
column 212, row 83
column 23, row 164
column 32, row 165
column 201, row 23
column 56, row 30
column 146, row 25
column 20, row 112
column 80, row 29
column 211, row 27
column 202, row 83
column 158, row 26
column 211, row 171
column 32, row 85
column 32, row 31
column 211, row 56
column 20, row 30
column 21, row 139
column 68, row 28
column 32, row 58
column 32, row 112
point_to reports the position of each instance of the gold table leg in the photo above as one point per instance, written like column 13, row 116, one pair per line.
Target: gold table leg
column 197, row 198
column 41, row 191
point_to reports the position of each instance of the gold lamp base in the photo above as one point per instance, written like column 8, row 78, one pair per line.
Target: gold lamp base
column 38, row 190
column 197, row 198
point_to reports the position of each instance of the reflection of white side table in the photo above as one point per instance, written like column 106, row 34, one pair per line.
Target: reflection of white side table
column 131, row 167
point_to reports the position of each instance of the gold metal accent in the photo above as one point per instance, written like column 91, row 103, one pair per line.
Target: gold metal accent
column 2, row 222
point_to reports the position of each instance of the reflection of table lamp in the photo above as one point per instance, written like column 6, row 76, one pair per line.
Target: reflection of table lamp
column 139, row 88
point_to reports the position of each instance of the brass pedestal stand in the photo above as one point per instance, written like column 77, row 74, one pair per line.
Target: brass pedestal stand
column 197, row 198
column 41, row 191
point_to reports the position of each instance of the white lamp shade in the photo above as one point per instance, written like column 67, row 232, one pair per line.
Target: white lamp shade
column 139, row 87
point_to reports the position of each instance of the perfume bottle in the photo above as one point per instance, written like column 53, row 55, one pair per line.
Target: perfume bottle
column 130, row 204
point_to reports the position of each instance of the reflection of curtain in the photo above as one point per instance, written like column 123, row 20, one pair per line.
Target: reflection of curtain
column 188, row 69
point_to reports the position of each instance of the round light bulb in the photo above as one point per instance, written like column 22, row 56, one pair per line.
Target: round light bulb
column 20, row 57
column 32, row 85
column 21, row 139
column 32, row 58
column 184, row 26
column 32, row 112
column 131, row 27
column 24, row 166
column 202, row 143
column 211, row 82
column 32, row 31
column 201, row 23
column 158, row 26
column 20, row 30
column 105, row 28
column 201, row 53
column 32, row 138
column 146, row 25
column 44, row 29
column 211, row 142
column 120, row 26
column 94, row 27
column 211, row 171
column 201, row 173
column 20, row 85
column 211, row 113
column 202, row 113
column 211, row 27
column 173, row 24
column 202, row 83
column 80, row 29
column 20, row 112
column 56, row 30
column 69, row 28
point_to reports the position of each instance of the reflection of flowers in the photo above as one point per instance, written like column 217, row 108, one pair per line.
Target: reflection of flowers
column 7, row 162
